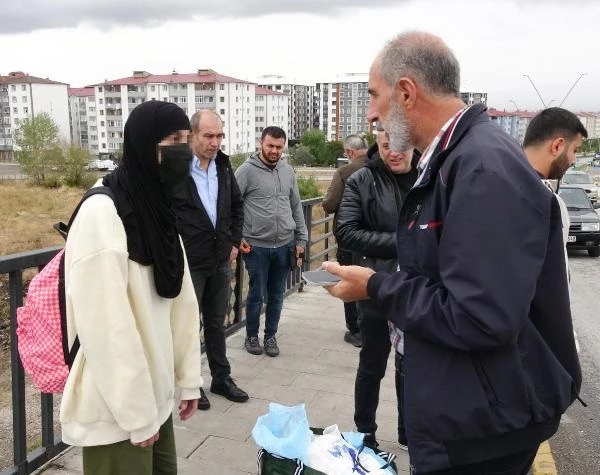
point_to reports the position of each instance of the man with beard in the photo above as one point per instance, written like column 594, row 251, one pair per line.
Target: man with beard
column 481, row 293
column 552, row 139
column 274, row 235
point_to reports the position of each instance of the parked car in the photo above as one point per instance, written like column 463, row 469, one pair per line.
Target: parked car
column 584, row 231
column 102, row 164
column 582, row 180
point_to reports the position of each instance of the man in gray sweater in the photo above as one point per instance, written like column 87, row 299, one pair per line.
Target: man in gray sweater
column 274, row 235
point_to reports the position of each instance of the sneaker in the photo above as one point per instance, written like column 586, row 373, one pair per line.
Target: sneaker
column 353, row 338
column 402, row 442
column 253, row 345
column 370, row 441
column 271, row 347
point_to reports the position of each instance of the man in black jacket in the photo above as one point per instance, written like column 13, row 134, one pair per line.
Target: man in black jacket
column 210, row 217
column 366, row 225
column 481, row 292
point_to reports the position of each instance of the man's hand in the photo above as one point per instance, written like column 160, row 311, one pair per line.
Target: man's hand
column 187, row 409
column 233, row 254
column 148, row 442
column 299, row 255
column 354, row 281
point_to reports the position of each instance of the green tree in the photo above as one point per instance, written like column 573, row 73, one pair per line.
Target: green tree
column 308, row 187
column 302, row 156
column 370, row 137
column 38, row 148
column 237, row 159
column 74, row 169
column 316, row 142
column 335, row 150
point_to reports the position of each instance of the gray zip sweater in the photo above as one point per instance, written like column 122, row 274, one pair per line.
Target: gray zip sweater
column 272, row 209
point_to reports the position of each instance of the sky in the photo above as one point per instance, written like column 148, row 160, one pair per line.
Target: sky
column 497, row 42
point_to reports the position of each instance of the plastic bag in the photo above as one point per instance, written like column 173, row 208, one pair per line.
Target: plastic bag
column 284, row 431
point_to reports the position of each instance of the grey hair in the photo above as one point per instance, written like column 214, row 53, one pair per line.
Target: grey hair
column 355, row 142
column 196, row 116
column 424, row 58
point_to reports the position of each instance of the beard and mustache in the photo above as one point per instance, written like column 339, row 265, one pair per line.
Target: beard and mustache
column 398, row 129
column 559, row 166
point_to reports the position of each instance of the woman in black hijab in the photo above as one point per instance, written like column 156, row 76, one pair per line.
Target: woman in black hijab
column 131, row 302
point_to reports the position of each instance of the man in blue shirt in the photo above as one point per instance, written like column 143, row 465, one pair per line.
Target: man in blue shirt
column 210, row 218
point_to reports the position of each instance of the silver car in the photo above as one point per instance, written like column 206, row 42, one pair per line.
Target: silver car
column 582, row 180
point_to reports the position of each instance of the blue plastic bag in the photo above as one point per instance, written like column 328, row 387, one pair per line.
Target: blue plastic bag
column 284, row 431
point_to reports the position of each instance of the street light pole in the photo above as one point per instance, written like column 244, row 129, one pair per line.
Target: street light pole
column 572, row 87
column 515, row 104
column 536, row 90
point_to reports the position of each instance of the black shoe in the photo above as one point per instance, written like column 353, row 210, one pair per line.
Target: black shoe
column 370, row 441
column 271, row 347
column 402, row 442
column 253, row 345
column 228, row 388
column 203, row 402
column 353, row 338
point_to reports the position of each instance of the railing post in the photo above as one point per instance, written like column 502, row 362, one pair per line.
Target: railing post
column 327, row 240
column 238, row 305
column 15, row 284
column 47, row 422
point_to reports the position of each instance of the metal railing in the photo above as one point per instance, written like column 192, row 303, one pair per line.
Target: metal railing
column 24, row 461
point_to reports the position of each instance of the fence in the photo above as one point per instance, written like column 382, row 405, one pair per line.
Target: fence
column 24, row 461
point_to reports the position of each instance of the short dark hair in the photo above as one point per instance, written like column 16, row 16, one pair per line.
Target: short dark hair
column 275, row 132
column 552, row 123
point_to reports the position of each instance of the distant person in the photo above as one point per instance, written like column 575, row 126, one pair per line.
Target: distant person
column 481, row 293
column 274, row 232
column 210, row 216
column 131, row 302
column 551, row 141
column 367, row 218
column 355, row 149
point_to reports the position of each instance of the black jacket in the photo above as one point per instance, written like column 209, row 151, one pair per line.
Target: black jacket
column 490, row 360
column 369, row 210
column 205, row 246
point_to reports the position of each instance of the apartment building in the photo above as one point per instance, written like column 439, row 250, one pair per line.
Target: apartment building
column 301, row 109
column 233, row 99
column 83, row 117
column 591, row 121
column 513, row 123
column 471, row 98
column 343, row 106
column 22, row 97
column 272, row 108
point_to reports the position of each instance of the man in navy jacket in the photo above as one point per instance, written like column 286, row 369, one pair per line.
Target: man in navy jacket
column 481, row 293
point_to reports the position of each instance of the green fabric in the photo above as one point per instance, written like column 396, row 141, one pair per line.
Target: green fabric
column 123, row 458
column 272, row 465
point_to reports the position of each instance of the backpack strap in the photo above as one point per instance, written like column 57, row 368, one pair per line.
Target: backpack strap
column 63, row 229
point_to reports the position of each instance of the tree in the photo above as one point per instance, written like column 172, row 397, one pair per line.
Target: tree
column 38, row 149
column 308, row 187
column 237, row 159
column 74, row 168
column 316, row 141
column 371, row 138
column 335, row 150
column 302, row 156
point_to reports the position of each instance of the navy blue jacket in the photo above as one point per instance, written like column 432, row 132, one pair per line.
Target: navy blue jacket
column 490, row 359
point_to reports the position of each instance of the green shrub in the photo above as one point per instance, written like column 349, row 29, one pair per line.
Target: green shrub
column 308, row 188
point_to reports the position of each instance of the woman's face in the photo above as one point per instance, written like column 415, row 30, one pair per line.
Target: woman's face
column 180, row 136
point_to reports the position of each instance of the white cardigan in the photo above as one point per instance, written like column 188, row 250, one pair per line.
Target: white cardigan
column 136, row 346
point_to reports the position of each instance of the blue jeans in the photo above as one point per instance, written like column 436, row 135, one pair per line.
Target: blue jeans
column 267, row 272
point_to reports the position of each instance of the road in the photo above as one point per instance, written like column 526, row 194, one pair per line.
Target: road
column 576, row 446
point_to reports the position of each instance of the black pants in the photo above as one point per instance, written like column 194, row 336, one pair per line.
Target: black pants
column 350, row 308
column 213, row 288
column 372, row 363
column 400, row 394
column 514, row 464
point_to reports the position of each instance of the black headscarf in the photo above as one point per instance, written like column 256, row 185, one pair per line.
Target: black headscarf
column 144, row 203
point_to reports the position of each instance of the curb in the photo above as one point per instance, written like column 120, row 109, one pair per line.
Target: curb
column 544, row 461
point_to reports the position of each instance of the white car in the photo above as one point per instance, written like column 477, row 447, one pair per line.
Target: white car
column 582, row 180
column 102, row 164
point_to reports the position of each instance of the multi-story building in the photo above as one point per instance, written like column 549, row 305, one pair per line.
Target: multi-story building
column 272, row 108
column 233, row 99
column 591, row 121
column 343, row 106
column 301, row 103
column 513, row 123
column 22, row 97
column 84, row 124
column 471, row 98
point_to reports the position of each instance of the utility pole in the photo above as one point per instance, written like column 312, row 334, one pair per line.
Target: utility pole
column 536, row 90
column 572, row 87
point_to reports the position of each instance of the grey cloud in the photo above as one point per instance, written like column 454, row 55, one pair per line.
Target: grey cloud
column 23, row 16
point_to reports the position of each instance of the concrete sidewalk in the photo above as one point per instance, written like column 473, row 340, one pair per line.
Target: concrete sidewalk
column 316, row 367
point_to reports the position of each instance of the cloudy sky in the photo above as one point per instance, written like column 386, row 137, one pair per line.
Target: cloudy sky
column 497, row 42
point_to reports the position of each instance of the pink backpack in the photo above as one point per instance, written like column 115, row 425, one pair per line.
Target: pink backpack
column 42, row 321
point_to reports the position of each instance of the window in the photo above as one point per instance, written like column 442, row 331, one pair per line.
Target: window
column 221, row 99
column 23, row 87
column 221, row 87
column 15, row 110
column 25, row 110
column 102, row 135
column 101, row 112
column 100, row 89
column 152, row 88
column 164, row 87
column 101, row 123
column 183, row 98
column 222, row 111
column 101, row 101
column 104, row 146
column 13, row 87
column 17, row 121
column 14, row 98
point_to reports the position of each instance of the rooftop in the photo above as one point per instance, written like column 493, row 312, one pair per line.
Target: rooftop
column 80, row 91
column 19, row 77
column 199, row 77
